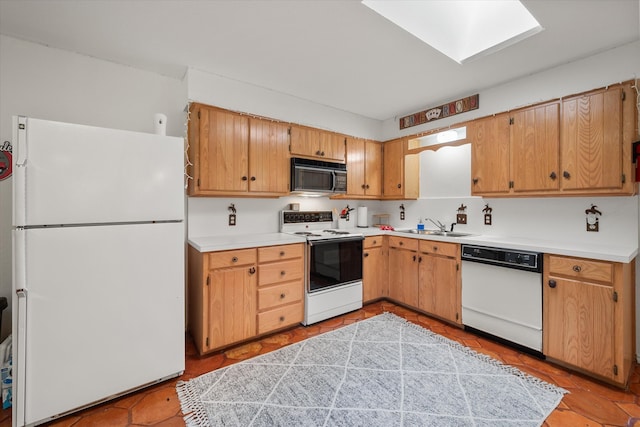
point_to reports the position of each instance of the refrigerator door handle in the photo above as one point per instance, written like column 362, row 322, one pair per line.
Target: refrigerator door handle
column 21, row 141
column 20, row 376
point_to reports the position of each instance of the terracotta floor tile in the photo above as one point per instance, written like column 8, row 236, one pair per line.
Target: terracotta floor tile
column 107, row 417
column 595, row 407
column 632, row 409
column 155, row 407
column 569, row 419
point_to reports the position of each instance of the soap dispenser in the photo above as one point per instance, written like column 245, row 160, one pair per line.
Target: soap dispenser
column 420, row 224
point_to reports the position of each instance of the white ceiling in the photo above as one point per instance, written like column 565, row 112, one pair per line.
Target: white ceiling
column 337, row 53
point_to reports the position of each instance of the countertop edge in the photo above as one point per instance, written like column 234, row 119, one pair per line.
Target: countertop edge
column 623, row 254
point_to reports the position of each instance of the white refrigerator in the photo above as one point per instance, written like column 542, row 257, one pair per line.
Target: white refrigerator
column 98, row 265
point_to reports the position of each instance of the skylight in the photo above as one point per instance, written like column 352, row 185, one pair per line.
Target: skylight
column 461, row 29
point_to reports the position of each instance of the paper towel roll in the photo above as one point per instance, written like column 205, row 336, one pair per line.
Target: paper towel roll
column 362, row 217
column 160, row 124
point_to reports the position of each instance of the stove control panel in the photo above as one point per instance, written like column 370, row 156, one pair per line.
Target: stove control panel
column 297, row 217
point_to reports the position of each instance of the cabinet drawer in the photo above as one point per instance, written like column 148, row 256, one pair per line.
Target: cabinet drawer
column 372, row 242
column 280, row 271
column 274, row 296
column 232, row 258
column 276, row 253
column 404, row 243
column 439, row 248
column 581, row 268
column 280, row 317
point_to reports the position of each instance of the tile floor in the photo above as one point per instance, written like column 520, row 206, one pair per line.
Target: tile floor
column 589, row 403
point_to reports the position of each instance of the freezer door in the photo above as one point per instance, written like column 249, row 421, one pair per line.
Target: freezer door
column 74, row 174
column 104, row 314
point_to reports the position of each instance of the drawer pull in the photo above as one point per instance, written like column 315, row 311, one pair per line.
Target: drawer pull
column 375, row 242
column 282, row 296
column 234, row 259
column 435, row 248
column 282, row 273
column 577, row 268
column 400, row 243
column 281, row 253
column 365, row 254
column 552, row 283
column 282, row 318
column 252, row 270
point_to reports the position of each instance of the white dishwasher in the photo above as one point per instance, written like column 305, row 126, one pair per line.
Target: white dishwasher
column 502, row 294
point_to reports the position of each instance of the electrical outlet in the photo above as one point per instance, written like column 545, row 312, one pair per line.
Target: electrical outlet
column 401, row 216
column 232, row 219
column 461, row 218
column 487, row 219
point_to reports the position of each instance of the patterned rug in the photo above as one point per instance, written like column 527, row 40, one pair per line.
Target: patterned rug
column 383, row 371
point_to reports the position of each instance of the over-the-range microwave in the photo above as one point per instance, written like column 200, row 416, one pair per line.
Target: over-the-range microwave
column 317, row 177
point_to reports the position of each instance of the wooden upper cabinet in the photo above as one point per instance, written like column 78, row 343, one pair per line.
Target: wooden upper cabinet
column 401, row 173
column 234, row 155
column 489, row 138
column 219, row 150
column 364, row 168
column 318, row 144
column 592, row 140
column 534, row 149
column 268, row 157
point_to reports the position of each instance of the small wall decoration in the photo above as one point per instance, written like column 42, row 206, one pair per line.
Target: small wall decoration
column 232, row 215
column 5, row 160
column 593, row 222
column 487, row 214
column 461, row 216
column 402, row 212
column 445, row 110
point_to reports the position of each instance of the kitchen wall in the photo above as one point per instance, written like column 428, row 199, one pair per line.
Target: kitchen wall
column 53, row 84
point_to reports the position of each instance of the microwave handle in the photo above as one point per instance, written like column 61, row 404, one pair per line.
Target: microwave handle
column 333, row 181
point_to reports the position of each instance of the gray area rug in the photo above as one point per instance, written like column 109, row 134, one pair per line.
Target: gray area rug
column 383, row 371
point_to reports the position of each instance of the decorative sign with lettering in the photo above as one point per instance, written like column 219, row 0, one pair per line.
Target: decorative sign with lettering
column 446, row 110
column 5, row 160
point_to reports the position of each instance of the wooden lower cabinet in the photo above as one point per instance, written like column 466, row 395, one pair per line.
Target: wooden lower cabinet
column 236, row 295
column 374, row 269
column 439, row 290
column 588, row 319
column 403, row 270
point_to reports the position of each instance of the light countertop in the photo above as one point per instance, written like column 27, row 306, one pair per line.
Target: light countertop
column 616, row 253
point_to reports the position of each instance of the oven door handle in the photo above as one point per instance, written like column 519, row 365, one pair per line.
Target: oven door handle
column 335, row 240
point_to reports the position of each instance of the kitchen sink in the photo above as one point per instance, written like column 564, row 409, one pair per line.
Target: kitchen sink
column 436, row 233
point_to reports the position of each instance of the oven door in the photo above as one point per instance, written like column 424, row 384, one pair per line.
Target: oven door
column 334, row 262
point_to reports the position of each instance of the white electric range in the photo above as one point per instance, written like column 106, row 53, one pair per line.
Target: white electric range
column 333, row 264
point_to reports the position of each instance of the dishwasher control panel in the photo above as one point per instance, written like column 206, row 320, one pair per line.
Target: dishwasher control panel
column 510, row 258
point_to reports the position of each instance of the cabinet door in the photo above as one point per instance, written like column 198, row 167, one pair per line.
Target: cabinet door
column 356, row 167
column 232, row 305
column 403, row 276
column 305, row 141
column 438, row 292
column 535, row 145
column 578, row 326
column 373, row 274
column 489, row 154
column 332, row 146
column 592, row 141
column 393, row 168
column 373, row 168
column 269, row 168
column 223, row 151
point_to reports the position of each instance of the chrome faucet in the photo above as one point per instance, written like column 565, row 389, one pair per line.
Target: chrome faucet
column 441, row 226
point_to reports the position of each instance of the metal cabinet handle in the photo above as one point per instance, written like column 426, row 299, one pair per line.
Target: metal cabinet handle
column 435, row 249
column 566, row 175
column 399, row 185
column 281, row 253
column 282, row 273
column 244, row 178
column 367, row 186
column 553, row 175
column 253, row 178
column 400, row 243
column 322, row 153
column 252, row 270
column 419, row 259
column 577, row 268
column 475, row 181
column 552, row 283
column 234, row 259
column 362, row 186
column 282, row 296
column 366, row 254
column 414, row 257
column 282, row 318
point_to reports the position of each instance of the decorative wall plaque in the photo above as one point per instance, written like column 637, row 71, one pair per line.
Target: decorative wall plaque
column 445, row 110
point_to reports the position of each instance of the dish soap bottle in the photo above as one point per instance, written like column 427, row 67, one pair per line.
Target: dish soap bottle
column 420, row 224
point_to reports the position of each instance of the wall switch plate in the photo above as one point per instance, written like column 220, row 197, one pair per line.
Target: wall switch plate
column 232, row 219
column 593, row 225
column 461, row 218
column 401, row 216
